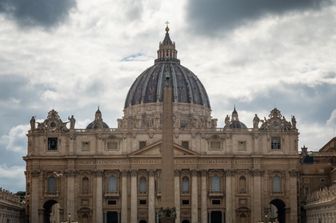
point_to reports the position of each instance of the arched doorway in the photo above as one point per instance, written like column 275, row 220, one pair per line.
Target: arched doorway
column 185, row 221
column 278, row 208
column 216, row 217
column 142, row 221
column 112, row 217
column 51, row 210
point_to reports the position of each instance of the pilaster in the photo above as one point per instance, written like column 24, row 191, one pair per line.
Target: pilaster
column 204, row 211
column 194, row 197
column 124, row 213
column 99, row 197
column 151, row 198
column 134, row 197
column 34, row 215
column 177, row 196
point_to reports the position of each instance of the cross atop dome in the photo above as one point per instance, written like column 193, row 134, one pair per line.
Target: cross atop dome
column 167, row 49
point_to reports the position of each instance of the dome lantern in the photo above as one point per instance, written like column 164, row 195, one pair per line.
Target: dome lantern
column 167, row 51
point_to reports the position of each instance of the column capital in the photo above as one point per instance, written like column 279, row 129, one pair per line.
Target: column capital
column 35, row 173
column 257, row 172
column 134, row 173
column 177, row 173
column 194, row 172
column 229, row 173
column 151, row 173
column 99, row 173
column 70, row 173
column 293, row 173
column 204, row 172
column 124, row 173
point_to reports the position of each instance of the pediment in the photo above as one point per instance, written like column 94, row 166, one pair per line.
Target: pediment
column 154, row 149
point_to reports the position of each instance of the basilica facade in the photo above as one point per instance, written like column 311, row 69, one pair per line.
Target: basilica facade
column 230, row 173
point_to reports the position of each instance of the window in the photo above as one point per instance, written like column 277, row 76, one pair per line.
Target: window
column 185, row 144
column 142, row 185
column 276, row 184
column 85, row 146
column 112, row 145
column 112, row 184
column 215, row 184
column 183, row 124
column 52, row 188
column 276, row 143
column 111, row 202
column 215, row 145
column 185, row 202
column 142, row 201
column 185, row 185
column 241, row 145
column 142, row 144
column 85, row 185
column 216, row 201
column 242, row 184
column 52, row 143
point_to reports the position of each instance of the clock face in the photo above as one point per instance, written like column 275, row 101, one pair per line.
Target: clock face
column 53, row 125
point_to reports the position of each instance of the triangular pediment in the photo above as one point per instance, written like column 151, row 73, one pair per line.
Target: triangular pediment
column 329, row 146
column 154, row 149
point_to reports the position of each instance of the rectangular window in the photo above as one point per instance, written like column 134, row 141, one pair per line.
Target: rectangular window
column 185, row 144
column 241, row 145
column 276, row 143
column 142, row 144
column 111, row 202
column 216, row 202
column 112, row 145
column 276, row 184
column 142, row 202
column 85, row 146
column 215, row 145
column 185, row 202
column 52, row 143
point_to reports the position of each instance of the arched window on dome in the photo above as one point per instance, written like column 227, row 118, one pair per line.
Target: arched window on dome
column 52, row 185
column 215, row 184
column 112, row 184
column 276, row 184
column 242, row 184
column 143, row 185
column 185, row 184
column 85, row 185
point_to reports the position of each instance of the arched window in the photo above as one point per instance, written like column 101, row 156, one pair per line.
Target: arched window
column 142, row 185
column 112, row 184
column 52, row 188
column 185, row 185
column 85, row 185
column 215, row 184
column 276, row 184
column 242, row 184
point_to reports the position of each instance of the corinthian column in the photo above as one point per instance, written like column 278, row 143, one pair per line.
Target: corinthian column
column 194, row 197
column 256, row 196
column 177, row 195
column 134, row 197
column 293, row 175
column 70, row 176
column 229, row 204
column 99, row 197
column 151, row 198
column 34, row 196
column 124, row 197
column 204, row 211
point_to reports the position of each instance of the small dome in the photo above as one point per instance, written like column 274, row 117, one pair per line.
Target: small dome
column 98, row 123
column 235, row 123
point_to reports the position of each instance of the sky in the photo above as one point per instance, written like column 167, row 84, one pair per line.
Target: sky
column 75, row 55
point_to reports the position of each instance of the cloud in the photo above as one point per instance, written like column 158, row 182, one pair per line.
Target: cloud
column 44, row 13
column 16, row 139
column 12, row 177
column 217, row 15
column 136, row 57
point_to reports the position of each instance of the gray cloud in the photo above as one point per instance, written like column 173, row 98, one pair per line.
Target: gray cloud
column 44, row 13
column 217, row 15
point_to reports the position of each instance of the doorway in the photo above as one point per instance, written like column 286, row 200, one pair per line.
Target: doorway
column 279, row 207
column 51, row 210
column 216, row 217
column 112, row 217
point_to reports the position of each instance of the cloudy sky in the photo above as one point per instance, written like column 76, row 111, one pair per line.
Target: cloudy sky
column 73, row 55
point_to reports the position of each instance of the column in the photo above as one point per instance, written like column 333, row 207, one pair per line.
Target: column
column 177, row 196
column 99, row 197
column 256, row 196
column 34, row 207
column 124, row 213
column 71, row 194
column 293, row 175
column 229, row 196
column 204, row 206
column 134, row 197
column 151, row 197
column 194, row 197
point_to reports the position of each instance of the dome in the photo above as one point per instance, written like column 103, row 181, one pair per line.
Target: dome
column 234, row 123
column 98, row 123
column 148, row 87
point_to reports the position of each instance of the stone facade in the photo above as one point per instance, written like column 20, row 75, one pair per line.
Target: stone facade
column 11, row 208
column 220, row 174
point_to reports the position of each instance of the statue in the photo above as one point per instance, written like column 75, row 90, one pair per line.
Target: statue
column 256, row 121
column 72, row 122
column 32, row 123
column 293, row 122
column 227, row 121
